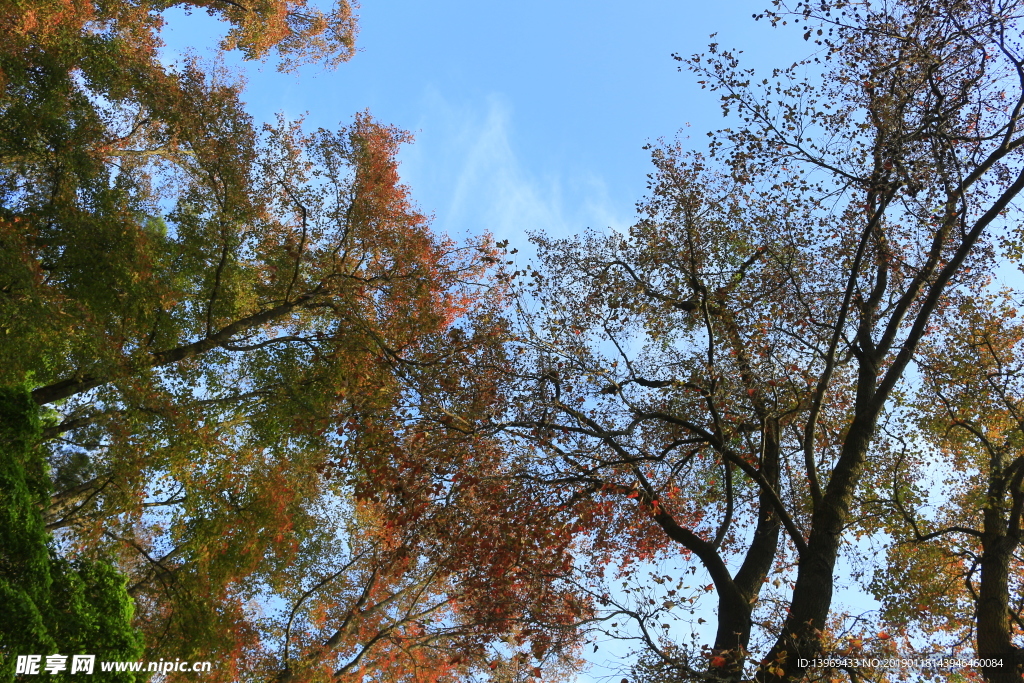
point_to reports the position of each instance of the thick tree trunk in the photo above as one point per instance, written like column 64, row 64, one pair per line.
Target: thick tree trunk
column 995, row 635
column 812, row 594
column 758, row 561
column 734, row 623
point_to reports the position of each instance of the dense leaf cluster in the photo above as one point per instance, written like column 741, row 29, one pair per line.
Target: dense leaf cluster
column 51, row 605
column 264, row 368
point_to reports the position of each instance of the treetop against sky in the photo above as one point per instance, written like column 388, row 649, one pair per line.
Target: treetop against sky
column 525, row 117
column 318, row 435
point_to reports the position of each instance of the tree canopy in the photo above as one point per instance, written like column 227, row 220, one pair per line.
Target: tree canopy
column 261, row 360
column 756, row 379
column 291, row 430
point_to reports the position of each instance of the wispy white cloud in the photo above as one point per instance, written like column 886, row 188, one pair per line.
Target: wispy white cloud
column 465, row 167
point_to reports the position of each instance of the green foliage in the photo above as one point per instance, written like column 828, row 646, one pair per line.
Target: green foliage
column 52, row 605
column 250, row 339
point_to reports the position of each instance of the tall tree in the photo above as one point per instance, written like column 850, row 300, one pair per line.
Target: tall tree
column 712, row 386
column 263, row 362
column 294, row 323
column 963, row 547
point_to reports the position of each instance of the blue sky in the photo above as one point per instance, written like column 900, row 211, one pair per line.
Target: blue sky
column 528, row 116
